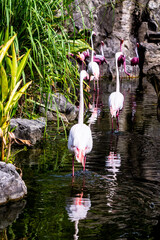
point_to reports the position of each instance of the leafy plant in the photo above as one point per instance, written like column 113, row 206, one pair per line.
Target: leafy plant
column 42, row 26
column 10, row 90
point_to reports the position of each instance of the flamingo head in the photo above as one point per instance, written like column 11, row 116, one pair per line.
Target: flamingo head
column 81, row 56
column 80, row 155
column 102, row 43
column 113, row 112
column 121, row 41
column 93, row 33
column 84, row 74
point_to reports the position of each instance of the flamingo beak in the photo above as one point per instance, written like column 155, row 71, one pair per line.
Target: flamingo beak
column 80, row 156
column 113, row 112
column 94, row 34
column 87, row 76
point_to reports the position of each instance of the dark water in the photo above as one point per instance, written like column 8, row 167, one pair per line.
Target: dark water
column 118, row 197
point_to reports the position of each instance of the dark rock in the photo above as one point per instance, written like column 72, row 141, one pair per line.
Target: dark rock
column 12, row 187
column 28, row 129
column 58, row 102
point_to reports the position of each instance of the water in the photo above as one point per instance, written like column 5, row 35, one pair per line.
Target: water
column 118, row 197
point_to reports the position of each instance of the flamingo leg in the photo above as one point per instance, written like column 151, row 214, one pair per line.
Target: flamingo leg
column 101, row 71
column 89, row 81
column 84, row 163
column 97, row 85
column 112, row 123
column 117, row 122
column 73, row 166
column 94, row 84
column 82, row 65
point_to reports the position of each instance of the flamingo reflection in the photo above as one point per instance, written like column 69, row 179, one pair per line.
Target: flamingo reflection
column 113, row 160
column 77, row 208
column 113, row 163
column 93, row 108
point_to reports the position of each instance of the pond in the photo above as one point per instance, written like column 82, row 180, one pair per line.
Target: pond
column 118, row 197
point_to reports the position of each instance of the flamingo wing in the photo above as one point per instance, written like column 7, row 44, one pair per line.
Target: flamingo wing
column 93, row 69
column 115, row 102
column 80, row 139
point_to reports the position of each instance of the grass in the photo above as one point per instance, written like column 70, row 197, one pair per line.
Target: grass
column 41, row 25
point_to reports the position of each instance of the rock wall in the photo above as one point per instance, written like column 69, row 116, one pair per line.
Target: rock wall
column 133, row 21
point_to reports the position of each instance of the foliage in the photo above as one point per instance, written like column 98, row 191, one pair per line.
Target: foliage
column 41, row 25
column 10, row 91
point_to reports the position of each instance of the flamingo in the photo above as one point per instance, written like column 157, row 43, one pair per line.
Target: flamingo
column 122, row 58
column 80, row 58
column 116, row 98
column 135, row 60
column 80, row 137
column 100, row 58
column 93, row 68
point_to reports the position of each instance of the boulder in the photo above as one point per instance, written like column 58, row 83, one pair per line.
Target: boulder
column 12, row 187
column 58, row 102
column 28, row 129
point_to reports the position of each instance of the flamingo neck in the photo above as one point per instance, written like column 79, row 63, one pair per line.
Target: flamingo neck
column 92, row 48
column 81, row 104
column 117, row 76
column 136, row 50
column 102, row 50
column 120, row 46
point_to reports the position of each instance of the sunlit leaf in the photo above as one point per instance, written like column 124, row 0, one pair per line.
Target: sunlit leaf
column 3, row 84
column 17, row 96
column 5, row 48
column 22, row 65
column 10, row 101
column 14, row 68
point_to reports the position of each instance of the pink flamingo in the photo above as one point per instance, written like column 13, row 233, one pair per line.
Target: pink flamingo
column 80, row 137
column 135, row 60
column 116, row 98
column 86, row 54
column 122, row 59
column 100, row 58
column 80, row 58
column 93, row 68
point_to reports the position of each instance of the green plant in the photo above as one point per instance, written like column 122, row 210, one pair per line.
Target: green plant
column 42, row 26
column 10, row 90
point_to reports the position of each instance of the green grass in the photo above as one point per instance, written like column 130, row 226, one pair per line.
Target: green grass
column 41, row 25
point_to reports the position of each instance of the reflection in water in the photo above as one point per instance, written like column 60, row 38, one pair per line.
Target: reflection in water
column 8, row 214
column 112, row 163
column 94, row 109
column 77, row 208
column 113, row 160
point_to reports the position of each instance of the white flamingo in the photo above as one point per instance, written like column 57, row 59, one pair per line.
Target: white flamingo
column 116, row 98
column 93, row 67
column 80, row 137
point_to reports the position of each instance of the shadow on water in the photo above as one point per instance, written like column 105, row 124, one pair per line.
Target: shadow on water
column 118, row 195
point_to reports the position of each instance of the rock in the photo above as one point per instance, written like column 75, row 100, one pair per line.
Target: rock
column 142, row 31
column 58, row 102
column 133, row 21
column 12, row 187
column 151, row 57
column 28, row 129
